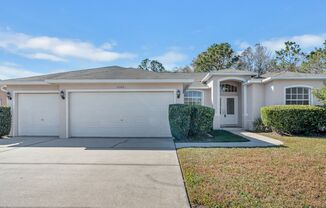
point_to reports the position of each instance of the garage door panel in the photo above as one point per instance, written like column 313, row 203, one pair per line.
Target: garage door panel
column 38, row 114
column 116, row 114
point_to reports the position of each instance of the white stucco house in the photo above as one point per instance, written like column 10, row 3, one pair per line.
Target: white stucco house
column 127, row 102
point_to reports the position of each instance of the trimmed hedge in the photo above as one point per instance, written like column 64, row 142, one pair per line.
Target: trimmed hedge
column 201, row 120
column 5, row 121
column 188, row 120
column 259, row 126
column 294, row 119
column 179, row 118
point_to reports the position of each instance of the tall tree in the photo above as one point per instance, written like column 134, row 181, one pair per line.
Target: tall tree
column 315, row 61
column 257, row 59
column 320, row 94
column 216, row 57
column 290, row 57
column 151, row 65
column 185, row 69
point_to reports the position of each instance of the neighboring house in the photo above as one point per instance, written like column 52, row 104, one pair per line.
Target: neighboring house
column 127, row 102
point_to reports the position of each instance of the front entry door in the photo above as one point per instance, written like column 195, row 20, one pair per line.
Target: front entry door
column 229, row 110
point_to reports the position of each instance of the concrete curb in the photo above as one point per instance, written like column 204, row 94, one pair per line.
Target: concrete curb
column 255, row 140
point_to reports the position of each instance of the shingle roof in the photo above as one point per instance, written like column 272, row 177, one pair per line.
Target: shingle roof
column 289, row 75
column 121, row 73
column 112, row 72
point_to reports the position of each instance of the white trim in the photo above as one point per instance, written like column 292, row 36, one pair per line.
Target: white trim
column 109, row 90
column 209, row 75
column 253, row 81
column 303, row 86
column 269, row 79
column 292, row 78
column 199, row 88
column 15, row 108
column 90, row 81
column 23, row 83
column 61, row 81
column 233, row 78
column 36, row 91
column 202, row 95
column 217, row 104
column 245, row 98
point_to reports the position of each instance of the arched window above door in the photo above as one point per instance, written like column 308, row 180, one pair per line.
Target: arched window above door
column 228, row 88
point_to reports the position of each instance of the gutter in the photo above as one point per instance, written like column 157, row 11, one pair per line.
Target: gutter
column 23, row 83
column 90, row 81
column 62, row 81
column 209, row 75
column 269, row 79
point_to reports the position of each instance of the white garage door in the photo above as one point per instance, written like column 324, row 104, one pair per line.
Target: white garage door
column 38, row 114
column 120, row 114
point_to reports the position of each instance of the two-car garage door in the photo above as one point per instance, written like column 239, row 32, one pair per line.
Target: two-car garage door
column 97, row 114
column 119, row 114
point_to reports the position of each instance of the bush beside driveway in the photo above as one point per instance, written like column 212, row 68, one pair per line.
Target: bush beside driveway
column 290, row 176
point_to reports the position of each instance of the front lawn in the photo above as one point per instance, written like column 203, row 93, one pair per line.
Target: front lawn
column 290, row 176
column 216, row 136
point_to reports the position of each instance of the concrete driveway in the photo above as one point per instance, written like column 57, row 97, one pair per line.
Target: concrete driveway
column 90, row 172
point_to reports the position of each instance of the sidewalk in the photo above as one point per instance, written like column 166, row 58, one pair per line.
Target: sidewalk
column 255, row 140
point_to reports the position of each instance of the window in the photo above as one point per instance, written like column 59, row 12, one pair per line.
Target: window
column 297, row 96
column 230, row 106
column 192, row 97
column 228, row 88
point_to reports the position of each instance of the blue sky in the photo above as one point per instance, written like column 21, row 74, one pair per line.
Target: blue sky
column 38, row 37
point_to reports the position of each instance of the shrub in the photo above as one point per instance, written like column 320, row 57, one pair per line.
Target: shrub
column 320, row 94
column 179, row 118
column 5, row 121
column 259, row 126
column 188, row 120
column 294, row 119
column 201, row 120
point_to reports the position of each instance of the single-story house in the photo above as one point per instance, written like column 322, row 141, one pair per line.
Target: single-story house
column 127, row 102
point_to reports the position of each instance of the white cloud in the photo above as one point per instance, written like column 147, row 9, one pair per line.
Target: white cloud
column 306, row 41
column 44, row 56
column 11, row 71
column 171, row 59
column 108, row 45
column 243, row 44
column 57, row 49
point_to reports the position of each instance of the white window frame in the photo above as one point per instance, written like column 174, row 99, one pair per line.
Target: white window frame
column 310, row 97
column 202, row 95
column 234, row 86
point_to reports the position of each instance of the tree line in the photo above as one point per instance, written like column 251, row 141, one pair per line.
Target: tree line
column 257, row 59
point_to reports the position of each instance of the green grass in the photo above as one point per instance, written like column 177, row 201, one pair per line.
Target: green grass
column 289, row 176
column 218, row 136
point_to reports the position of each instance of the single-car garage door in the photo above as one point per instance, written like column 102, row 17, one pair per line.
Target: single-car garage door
column 119, row 114
column 38, row 114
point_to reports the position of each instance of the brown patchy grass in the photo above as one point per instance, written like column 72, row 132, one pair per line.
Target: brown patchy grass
column 290, row 176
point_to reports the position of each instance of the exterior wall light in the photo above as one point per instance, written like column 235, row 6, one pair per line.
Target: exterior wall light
column 178, row 94
column 62, row 95
column 9, row 96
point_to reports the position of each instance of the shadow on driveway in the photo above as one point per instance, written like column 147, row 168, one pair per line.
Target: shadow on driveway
column 89, row 143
